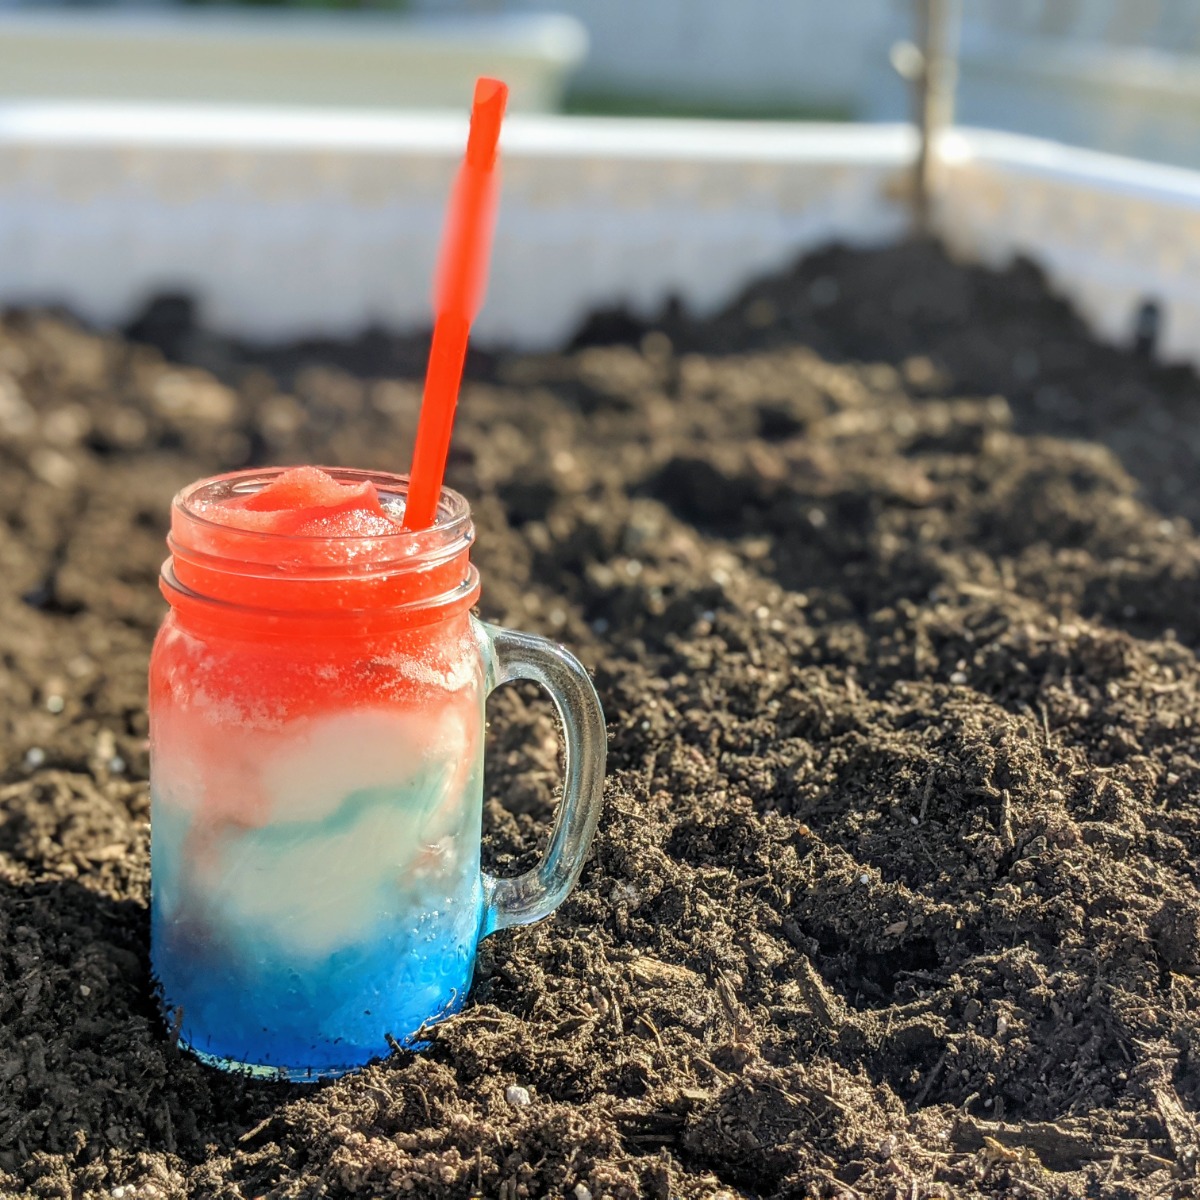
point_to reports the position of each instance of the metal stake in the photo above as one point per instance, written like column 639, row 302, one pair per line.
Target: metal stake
column 937, row 24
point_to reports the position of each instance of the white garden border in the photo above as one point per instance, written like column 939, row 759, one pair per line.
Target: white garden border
column 286, row 224
column 1110, row 232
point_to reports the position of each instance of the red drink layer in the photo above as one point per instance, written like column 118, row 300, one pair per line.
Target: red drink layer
column 306, row 502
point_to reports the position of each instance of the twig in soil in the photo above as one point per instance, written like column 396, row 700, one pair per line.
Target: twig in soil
column 840, row 1188
column 925, row 798
column 792, row 1097
column 931, row 1079
column 382, row 1100
column 735, row 1011
column 649, row 1024
column 251, row 1134
column 825, row 1006
column 1113, row 1167
column 743, row 884
column 650, row 972
column 721, row 1075
column 1179, row 1125
column 605, row 1003
column 1054, row 1145
column 18, row 1126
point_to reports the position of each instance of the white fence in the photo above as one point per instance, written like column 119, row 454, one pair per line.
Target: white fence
column 287, row 224
column 290, row 223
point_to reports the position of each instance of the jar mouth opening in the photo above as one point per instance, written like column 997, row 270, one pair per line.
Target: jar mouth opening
column 453, row 514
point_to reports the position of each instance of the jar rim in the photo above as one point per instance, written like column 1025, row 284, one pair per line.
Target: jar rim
column 453, row 510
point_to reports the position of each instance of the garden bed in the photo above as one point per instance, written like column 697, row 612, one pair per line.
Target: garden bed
column 888, row 579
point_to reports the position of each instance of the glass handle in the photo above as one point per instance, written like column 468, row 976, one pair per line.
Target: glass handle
column 537, row 893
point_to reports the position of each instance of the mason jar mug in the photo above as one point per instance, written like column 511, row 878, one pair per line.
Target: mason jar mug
column 316, row 727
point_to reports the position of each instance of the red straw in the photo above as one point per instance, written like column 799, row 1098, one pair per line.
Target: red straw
column 461, row 278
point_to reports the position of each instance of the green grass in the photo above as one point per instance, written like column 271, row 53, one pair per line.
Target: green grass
column 620, row 104
column 389, row 5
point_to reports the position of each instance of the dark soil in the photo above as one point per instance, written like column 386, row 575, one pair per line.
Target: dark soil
column 889, row 584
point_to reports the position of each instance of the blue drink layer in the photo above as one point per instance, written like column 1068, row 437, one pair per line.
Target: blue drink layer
column 306, row 1020
column 301, row 948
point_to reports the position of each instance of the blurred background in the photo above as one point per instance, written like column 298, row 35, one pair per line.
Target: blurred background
column 284, row 162
column 1115, row 75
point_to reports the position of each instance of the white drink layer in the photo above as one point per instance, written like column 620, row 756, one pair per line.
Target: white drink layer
column 348, row 820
